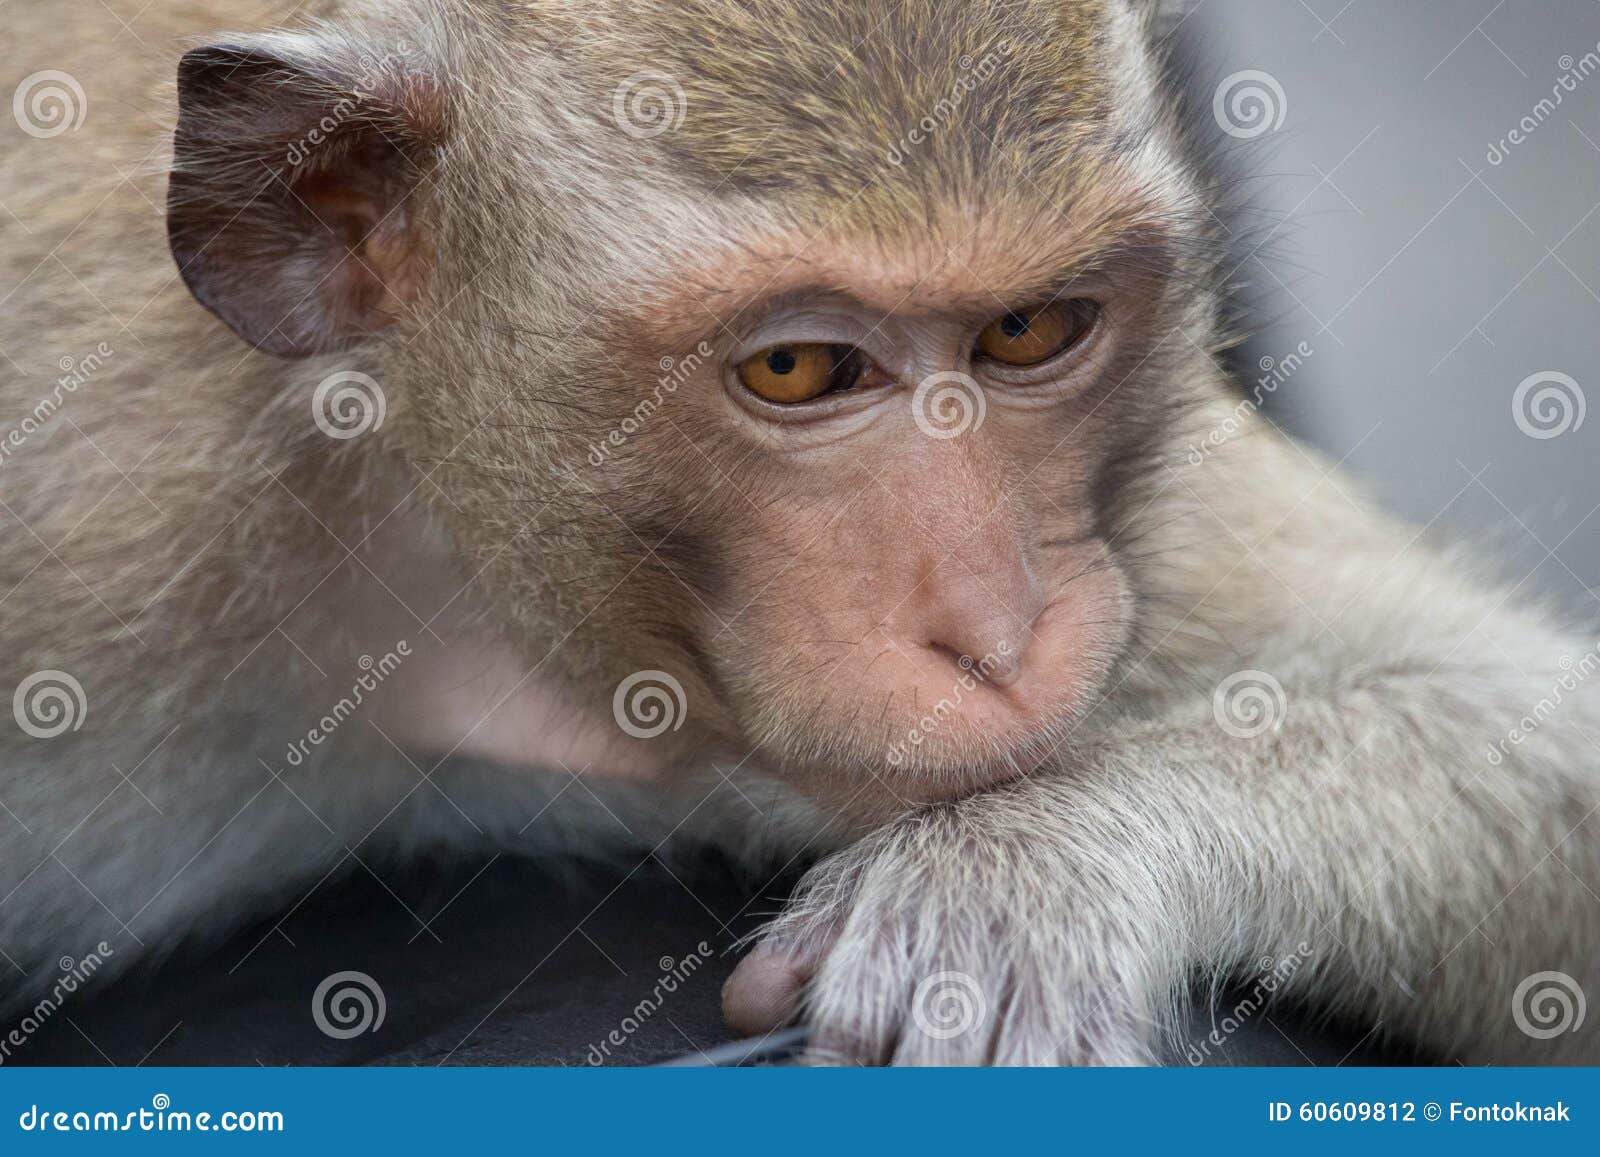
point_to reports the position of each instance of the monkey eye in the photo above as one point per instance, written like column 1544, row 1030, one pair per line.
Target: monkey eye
column 789, row 374
column 1029, row 337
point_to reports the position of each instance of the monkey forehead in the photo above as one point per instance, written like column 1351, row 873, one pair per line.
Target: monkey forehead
column 794, row 97
column 916, row 155
column 962, row 259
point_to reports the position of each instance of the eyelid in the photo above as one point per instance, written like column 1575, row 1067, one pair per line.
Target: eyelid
column 810, row 328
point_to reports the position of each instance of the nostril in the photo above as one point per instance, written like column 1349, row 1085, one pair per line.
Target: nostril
column 1003, row 673
column 1000, row 666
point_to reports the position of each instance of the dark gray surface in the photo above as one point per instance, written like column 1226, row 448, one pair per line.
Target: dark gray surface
column 532, row 965
column 503, row 974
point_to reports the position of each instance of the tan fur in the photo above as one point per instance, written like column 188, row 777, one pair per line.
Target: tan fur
column 214, row 602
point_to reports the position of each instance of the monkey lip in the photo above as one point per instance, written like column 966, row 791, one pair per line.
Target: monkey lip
column 993, row 741
column 969, row 779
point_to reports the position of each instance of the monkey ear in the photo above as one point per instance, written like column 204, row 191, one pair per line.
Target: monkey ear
column 288, row 208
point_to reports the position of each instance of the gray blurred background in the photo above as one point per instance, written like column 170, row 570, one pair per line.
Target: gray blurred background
column 1430, row 262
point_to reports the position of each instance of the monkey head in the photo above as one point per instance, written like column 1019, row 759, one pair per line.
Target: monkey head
column 806, row 363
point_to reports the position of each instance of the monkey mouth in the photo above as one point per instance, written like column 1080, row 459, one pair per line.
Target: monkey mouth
column 932, row 758
column 980, row 753
column 887, row 781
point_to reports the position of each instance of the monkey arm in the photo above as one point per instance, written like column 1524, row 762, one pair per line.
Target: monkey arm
column 1367, row 845
column 1371, row 839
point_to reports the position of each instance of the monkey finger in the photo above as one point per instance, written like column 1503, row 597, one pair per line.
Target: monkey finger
column 764, row 992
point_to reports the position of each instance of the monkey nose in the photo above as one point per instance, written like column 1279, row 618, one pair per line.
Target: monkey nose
column 1004, row 668
column 998, row 662
column 981, row 617
column 981, row 638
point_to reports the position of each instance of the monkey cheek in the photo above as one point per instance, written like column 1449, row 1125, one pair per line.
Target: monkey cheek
column 763, row 994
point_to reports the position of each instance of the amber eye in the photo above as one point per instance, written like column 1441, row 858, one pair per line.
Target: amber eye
column 1028, row 337
column 787, row 374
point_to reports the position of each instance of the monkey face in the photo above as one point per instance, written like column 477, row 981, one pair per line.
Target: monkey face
column 872, row 514
column 824, row 416
column 926, row 592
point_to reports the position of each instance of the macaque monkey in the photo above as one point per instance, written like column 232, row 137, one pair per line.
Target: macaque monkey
column 796, row 426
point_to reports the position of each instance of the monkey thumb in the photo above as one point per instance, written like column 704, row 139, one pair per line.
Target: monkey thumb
column 763, row 994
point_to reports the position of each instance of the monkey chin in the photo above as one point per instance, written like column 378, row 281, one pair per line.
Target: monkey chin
column 987, row 747
column 868, row 775
column 864, row 787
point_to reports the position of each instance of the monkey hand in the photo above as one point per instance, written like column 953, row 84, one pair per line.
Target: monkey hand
column 1008, row 928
